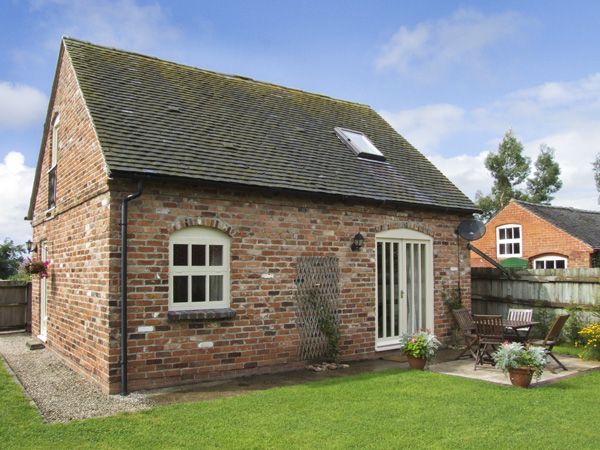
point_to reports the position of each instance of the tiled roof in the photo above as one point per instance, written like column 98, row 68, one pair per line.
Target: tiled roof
column 584, row 225
column 161, row 118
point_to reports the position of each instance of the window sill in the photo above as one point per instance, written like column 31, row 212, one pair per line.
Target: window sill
column 202, row 314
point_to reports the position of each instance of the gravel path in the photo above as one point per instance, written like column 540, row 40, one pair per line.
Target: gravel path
column 60, row 393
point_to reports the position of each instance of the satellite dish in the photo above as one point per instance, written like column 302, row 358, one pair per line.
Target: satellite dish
column 471, row 229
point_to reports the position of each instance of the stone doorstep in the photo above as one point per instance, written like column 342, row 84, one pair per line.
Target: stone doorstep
column 34, row 344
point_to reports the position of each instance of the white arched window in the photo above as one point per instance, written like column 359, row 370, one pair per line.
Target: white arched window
column 198, row 269
column 550, row 262
column 509, row 241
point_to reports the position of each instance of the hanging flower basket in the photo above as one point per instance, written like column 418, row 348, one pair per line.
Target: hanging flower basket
column 37, row 268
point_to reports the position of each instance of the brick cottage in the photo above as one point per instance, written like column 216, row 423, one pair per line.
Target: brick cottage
column 227, row 187
column 541, row 237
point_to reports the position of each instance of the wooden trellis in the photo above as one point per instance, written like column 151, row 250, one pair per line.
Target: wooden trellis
column 317, row 306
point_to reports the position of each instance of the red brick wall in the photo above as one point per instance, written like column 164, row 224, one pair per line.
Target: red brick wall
column 268, row 233
column 77, row 235
column 538, row 236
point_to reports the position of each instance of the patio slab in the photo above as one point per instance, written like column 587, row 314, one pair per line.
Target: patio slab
column 464, row 368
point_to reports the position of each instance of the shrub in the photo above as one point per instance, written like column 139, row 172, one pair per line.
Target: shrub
column 591, row 338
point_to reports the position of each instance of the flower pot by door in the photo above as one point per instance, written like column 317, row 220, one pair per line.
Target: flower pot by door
column 416, row 363
column 520, row 377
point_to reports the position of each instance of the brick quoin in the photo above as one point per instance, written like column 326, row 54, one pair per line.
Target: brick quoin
column 539, row 238
column 269, row 230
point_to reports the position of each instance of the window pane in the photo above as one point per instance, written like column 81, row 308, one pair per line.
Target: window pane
column 550, row 264
column 199, row 288
column 216, row 255
column 509, row 249
column 180, row 289
column 560, row 264
column 516, row 232
column 180, row 255
column 509, row 233
column 198, row 255
column 539, row 264
column 516, row 248
column 52, row 188
column 216, row 288
column 502, row 233
column 502, row 249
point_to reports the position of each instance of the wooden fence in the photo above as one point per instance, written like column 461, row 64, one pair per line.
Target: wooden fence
column 15, row 305
column 493, row 293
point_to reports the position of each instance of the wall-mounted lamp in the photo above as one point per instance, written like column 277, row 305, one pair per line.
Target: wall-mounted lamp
column 357, row 242
column 29, row 246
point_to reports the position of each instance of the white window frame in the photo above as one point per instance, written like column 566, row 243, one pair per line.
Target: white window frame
column 513, row 241
column 200, row 236
column 372, row 153
column 54, row 144
column 547, row 258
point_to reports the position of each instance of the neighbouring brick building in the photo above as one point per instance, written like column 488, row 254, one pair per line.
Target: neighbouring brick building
column 545, row 237
column 245, row 185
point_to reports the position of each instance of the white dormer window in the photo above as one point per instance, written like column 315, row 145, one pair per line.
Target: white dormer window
column 360, row 144
column 509, row 241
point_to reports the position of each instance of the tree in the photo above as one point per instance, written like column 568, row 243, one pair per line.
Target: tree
column 11, row 257
column 546, row 179
column 596, row 165
column 510, row 168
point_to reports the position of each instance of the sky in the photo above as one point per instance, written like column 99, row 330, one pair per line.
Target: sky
column 451, row 77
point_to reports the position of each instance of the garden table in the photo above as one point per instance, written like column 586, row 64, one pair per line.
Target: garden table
column 522, row 328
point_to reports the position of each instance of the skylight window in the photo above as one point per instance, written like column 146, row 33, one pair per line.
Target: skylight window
column 360, row 144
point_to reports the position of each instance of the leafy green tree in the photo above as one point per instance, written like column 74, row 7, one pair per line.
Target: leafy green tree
column 546, row 179
column 11, row 257
column 510, row 169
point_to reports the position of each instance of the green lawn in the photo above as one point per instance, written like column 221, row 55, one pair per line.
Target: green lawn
column 394, row 409
column 567, row 349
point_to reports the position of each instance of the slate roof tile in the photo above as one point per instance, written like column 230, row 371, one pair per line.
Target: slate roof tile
column 159, row 117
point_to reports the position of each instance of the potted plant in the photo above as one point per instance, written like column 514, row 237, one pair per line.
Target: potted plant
column 520, row 362
column 37, row 267
column 419, row 348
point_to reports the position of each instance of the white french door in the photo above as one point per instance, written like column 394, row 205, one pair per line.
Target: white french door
column 404, row 289
column 43, row 296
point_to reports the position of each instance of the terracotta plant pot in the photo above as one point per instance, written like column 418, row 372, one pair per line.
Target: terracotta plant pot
column 416, row 363
column 521, row 377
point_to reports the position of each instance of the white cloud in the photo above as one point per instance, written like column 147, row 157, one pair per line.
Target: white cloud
column 426, row 126
column 20, row 105
column 16, row 179
column 431, row 47
column 563, row 115
column 120, row 23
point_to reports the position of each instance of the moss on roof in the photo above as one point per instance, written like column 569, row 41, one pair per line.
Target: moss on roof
column 166, row 119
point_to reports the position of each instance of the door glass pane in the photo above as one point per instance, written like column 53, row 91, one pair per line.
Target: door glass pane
column 409, row 288
column 379, row 290
column 216, row 255
column 397, row 299
column 417, row 286
column 180, row 289
column 198, row 255
column 423, row 286
column 180, row 255
column 216, row 288
column 199, row 288
column 388, row 289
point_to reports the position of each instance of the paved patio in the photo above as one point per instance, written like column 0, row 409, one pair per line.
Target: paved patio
column 464, row 368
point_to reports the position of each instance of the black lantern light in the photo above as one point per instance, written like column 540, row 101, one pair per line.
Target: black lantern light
column 29, row 246
column 357, row 242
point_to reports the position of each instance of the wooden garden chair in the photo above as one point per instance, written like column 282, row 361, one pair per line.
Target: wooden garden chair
column 551, row 338
column 518, row 315
column 490, row 332
column 466, row 328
